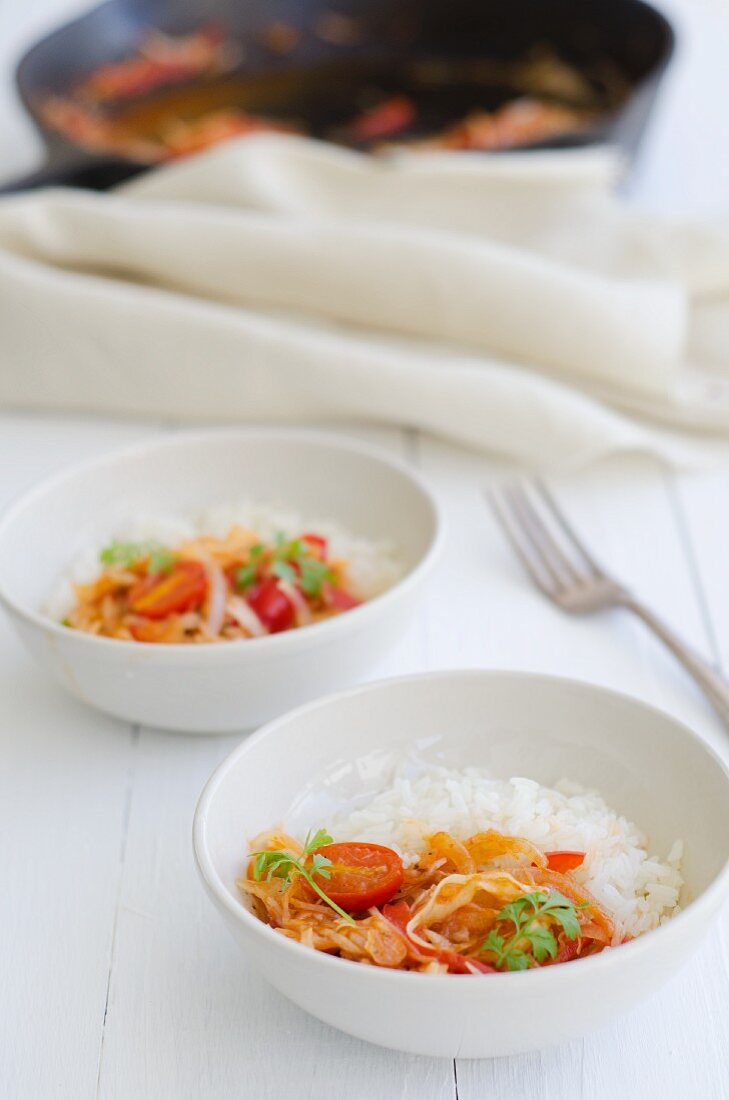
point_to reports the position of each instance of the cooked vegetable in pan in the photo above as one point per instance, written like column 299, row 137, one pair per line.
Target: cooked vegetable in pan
column 178, row 95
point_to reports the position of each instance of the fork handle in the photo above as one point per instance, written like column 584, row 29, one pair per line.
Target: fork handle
column 711, row 682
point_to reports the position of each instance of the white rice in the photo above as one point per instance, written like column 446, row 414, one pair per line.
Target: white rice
column 372, row 565
column 639, row 890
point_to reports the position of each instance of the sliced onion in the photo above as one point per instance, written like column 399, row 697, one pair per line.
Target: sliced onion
column 217, row 595
column 302, row 611
column 240, row 610
column 191, row 620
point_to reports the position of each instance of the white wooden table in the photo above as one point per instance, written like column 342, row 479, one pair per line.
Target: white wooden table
column 119, row 981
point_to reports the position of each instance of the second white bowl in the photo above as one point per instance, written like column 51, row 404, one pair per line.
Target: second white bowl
column 233, row 685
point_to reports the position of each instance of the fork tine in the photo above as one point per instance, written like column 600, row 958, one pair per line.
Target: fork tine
column 555, row 558
column 532, row 561
column 567, row 530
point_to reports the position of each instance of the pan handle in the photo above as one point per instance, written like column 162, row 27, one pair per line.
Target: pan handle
column 98, row 175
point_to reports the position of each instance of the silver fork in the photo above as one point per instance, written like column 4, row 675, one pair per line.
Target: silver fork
column 566, row 572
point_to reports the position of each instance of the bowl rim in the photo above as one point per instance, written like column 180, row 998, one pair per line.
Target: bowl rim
column 272, row 644
column 594, row 963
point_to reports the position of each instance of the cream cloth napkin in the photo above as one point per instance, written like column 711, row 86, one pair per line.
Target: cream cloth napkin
column 511, row 303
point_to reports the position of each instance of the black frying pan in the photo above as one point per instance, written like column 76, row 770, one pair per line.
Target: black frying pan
column 395, row 34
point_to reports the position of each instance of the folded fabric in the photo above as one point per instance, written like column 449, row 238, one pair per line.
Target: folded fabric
column 510, row 303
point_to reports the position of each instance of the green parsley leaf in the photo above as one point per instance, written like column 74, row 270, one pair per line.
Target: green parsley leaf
column 320, row 866
column 313, row 575
column 280, row 864
column 259, row 865
column 126, row 553
column 278, row 868
column 316, row 840
column 544, row 945
column 494, row 942
column 564, row 912
column 532, row 938
column 161, row 561
column 514, row 911
column 246, row 576
column 284, row 571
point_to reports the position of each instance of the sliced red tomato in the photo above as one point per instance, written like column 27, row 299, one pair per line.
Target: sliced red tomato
column 163, row 594
column 273, row 607
column 360, row 875
column 318, row 546
column 564, row 861
column 341, row 599
column 400, row 915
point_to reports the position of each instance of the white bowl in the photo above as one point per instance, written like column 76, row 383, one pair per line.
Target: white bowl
column 236, row 685
column 647, row 765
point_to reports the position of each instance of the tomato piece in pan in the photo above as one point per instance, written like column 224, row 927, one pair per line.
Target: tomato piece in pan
column 564, row 861
column 360, row 875
column 163, row 594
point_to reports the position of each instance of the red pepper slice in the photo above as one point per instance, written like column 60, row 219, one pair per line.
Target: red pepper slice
column 272, row 606
column 564, row 861
column 400, row 915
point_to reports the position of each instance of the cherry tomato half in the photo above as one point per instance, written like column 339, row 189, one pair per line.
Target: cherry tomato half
column 564, row 861
column 361, row 875
column 272, row 606
column 162, row 594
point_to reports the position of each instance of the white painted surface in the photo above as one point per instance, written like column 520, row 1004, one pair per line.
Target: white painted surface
column 118, row 979
column 120, row 971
